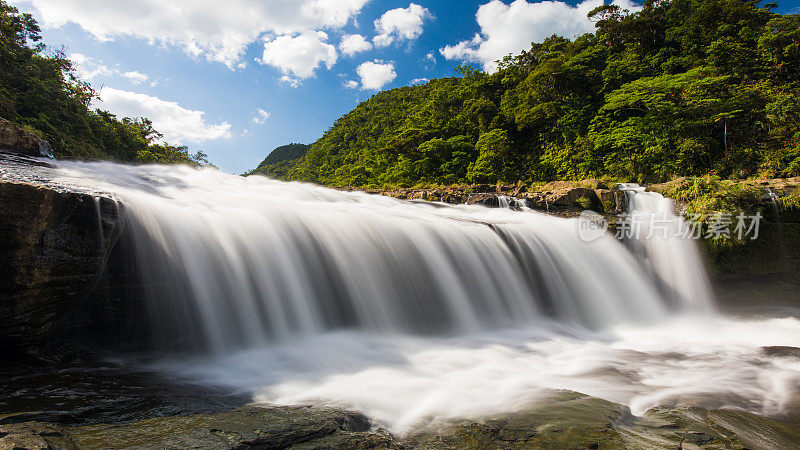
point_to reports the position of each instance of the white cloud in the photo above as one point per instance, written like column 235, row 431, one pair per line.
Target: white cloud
column 299, row 56
column 136, row 77
column 291, row 81
column 178, row 125
column 416, row 81
column 429, row 61
column 351, row 84
column 88, row 68
column 511, row 28
column 400, row 24
column 354, row 43
column 219, row 31
column 261, row 116
column 376, row 74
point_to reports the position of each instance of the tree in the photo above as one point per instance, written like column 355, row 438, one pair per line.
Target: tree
column 40, row 91
column 493, row 149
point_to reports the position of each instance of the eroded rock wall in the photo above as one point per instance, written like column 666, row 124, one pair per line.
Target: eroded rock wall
column 55, row 252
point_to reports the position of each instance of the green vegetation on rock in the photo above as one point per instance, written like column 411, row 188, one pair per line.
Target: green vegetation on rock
column 681, row 88
column 708, row 195
column 791, row 201
column 772, row 247
column 40, row 91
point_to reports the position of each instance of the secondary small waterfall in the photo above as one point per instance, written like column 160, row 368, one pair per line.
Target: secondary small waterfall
column 415, row 312
column 665, row 243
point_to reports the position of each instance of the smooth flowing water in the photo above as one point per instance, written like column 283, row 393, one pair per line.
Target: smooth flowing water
column 664, row 242
column 417, row 313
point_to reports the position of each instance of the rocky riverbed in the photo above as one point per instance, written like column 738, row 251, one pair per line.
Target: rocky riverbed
column 565, row 198
column 562, row 420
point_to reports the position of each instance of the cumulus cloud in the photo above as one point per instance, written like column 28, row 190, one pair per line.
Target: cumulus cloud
column 178, row 125
column 354, row 43
column 218, row 31
column 88, row 69
column 351, row 84
column 261, row 117
column 299, row 56
column 416, row 81
column 511, row 28
column 376, row 74
column 136, row 77
column 400, row 24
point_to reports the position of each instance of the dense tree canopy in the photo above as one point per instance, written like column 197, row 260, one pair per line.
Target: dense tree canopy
column 39, row 90
column 683, row 87
column 281, row 159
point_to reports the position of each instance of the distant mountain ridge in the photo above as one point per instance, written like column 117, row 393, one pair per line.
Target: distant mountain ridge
column 276, row 163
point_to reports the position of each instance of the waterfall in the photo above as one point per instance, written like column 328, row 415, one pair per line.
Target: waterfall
column 262, row 260
column 232, row 263
column 503, row 201
column 506, row 202
column 665, row 243
column 416, row 313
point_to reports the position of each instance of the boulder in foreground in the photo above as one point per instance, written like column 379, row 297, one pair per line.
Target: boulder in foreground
column 14, row 139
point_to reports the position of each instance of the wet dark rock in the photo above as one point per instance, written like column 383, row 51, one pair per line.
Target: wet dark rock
column 613, row 201
column 14, row 139
column 488, row 200
column 782, row 351
column 34, row 435
column 249, row 426
column 55, row 250
column 562, row 420
column 773, row 295
column 573, row 420
column 557, row 197
column 589, row 183
column 694, row 427
column 568, row 420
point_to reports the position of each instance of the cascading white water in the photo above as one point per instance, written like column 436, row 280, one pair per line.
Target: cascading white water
column 258, row 260
column 665, row 241
column 416, row 312
column 506, row 202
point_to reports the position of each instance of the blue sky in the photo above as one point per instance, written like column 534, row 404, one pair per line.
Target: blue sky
column 238, row 78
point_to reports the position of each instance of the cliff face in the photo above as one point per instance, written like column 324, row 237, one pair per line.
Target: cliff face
column 64, row 272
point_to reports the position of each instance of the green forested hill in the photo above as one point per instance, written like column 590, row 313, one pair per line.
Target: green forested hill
column 39, row 90
column 280, row 159
column 285, row 153
column 684, row 87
